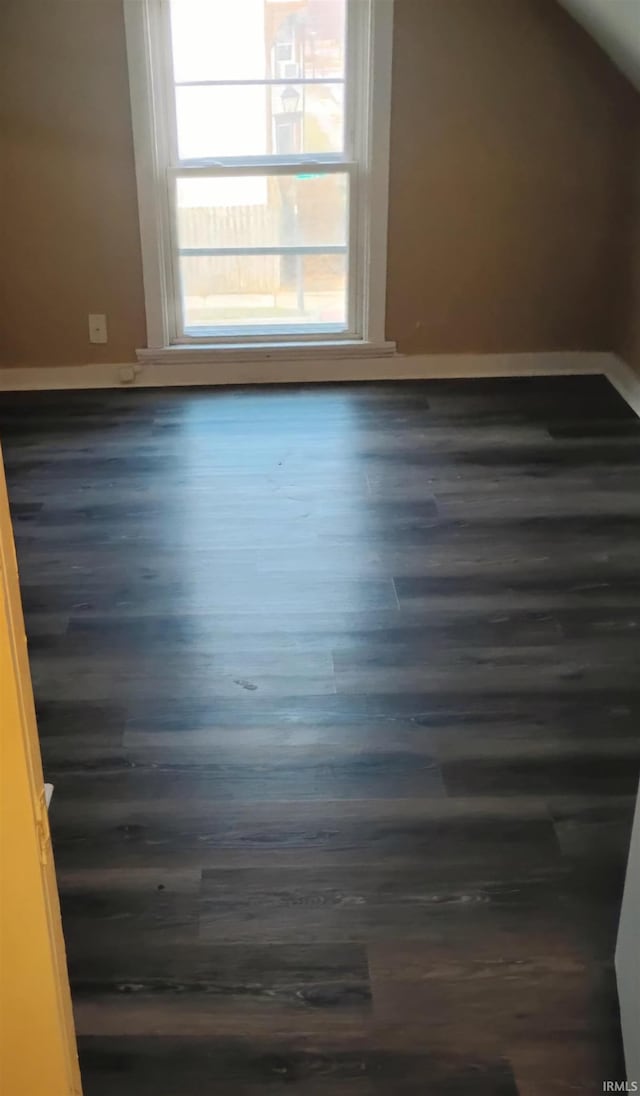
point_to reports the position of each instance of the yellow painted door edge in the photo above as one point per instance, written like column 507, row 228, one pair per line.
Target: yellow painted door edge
column 38, row 1055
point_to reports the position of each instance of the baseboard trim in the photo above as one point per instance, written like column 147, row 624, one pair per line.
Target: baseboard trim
column 286, row 371
column 626, row 381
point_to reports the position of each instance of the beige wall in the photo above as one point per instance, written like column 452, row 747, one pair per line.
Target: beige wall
column 69, row 232
column 628, row 342
column 507, row 180
column 508, row 149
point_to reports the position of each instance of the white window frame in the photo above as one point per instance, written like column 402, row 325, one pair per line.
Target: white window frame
column 367, row 121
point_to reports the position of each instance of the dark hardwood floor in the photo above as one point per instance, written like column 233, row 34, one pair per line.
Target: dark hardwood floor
column 339, row 689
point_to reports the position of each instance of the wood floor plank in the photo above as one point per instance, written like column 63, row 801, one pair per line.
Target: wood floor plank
column 333, row 977
column 207, row 832
column 308, row 632
column 272, row 775
column 146, row 1066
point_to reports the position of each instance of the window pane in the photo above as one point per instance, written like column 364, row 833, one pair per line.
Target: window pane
column 257, row 39
column 261, row 78
column 262, row 211
column 259, row 120
column 264, row 291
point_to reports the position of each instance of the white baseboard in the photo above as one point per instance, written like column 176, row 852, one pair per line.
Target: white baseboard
column 284, row 370
column 626, row 381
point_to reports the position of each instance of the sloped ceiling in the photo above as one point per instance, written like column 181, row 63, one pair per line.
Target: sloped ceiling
column 615, row 25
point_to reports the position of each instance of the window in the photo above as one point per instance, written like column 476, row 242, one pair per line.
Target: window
column 261, row 144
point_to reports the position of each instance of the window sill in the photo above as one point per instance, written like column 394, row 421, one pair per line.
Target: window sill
column 203, row 354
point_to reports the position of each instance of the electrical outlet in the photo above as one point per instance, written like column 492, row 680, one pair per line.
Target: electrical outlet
column 97, row 327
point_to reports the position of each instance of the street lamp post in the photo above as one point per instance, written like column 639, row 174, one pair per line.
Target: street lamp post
column 287, row 132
